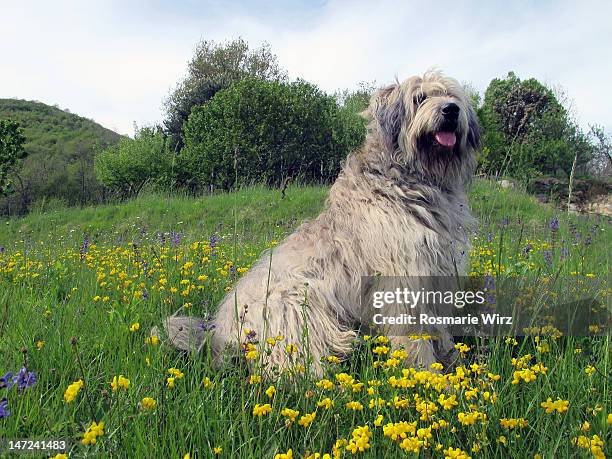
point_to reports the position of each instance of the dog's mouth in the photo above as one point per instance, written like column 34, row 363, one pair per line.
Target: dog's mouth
column 446, row 135
column 446, row 139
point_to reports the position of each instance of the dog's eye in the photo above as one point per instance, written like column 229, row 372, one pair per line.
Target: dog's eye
column 419, row 99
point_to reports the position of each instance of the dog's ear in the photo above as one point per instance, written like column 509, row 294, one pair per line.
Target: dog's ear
column 473, row 136
column 387, row 111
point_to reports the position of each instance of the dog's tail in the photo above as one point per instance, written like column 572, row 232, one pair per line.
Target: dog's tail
column 184, row 333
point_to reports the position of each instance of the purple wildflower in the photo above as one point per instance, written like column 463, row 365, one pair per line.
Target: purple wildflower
column 84, row 246
column 6, row 381
column 505, row 221
column 214, row 241
column 24, row 379
column 554, row 224
column 145, row 295
column 548, row 257
column 489, row 282
column 489, row 288
column 575, row 233
column 527, row 250
column 2, row 249
column 4, row 412
column 564, row 253
column 175, row 239
column 143, row 262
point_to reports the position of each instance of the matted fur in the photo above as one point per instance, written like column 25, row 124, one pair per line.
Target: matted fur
column 398, row 208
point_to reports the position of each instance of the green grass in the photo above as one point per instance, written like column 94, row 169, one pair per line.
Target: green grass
column 53, row 289
column 254, row 212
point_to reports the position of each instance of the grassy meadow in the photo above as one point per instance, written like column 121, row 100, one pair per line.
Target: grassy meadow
column 81, row 288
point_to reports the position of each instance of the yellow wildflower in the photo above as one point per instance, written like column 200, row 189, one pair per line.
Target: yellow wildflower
column 287, row 455
column 120, row 381
column 455, row 453
column 270, row 391
column 92, row 433
column 307, row 419
column 325, row 384
column 462, row 348
column 326, row 403
column 471, row 417
column 178, row 374
column 448, row 403
column 589, row 370
column 148, row 403
column 561, row 406
column 291, row 348
column 290, row 414
column 354, row 405
column 511, row 423
column 360, row 440
column 73, row 390
column 262, row 410
column 380, row 350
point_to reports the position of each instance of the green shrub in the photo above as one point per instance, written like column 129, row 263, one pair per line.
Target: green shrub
column 267, row 131
column 527, row 131
column 216, row 66
column 127, row 167
column 11, row 151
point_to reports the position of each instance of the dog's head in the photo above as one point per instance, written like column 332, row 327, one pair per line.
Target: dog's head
column 428, row 125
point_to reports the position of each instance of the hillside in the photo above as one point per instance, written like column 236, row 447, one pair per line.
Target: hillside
column 60, row 148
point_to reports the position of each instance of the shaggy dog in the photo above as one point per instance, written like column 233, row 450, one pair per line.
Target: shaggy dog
column 398, row 208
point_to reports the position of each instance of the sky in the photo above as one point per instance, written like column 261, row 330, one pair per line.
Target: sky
column 115, row 61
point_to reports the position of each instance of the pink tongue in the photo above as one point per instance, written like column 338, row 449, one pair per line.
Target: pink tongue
column 446, row 139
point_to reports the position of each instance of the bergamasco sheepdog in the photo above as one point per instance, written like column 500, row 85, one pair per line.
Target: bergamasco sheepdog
column 397, row 208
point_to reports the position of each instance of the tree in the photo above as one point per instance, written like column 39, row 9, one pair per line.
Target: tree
column 601, row 164
column 11, row 152
column 216, row 66
column 356, row 101
column 266, row 131
column 127, row 167
column 527, row 132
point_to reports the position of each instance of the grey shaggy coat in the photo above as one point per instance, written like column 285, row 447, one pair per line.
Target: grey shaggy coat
column 398, row 208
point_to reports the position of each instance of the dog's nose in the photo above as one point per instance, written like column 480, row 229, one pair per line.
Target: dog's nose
column 450, row 111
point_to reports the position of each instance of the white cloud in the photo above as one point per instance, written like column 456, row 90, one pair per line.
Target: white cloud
column 115, row 61
column 559, row 43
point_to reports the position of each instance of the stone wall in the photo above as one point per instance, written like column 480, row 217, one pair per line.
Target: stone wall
column 592, row 196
